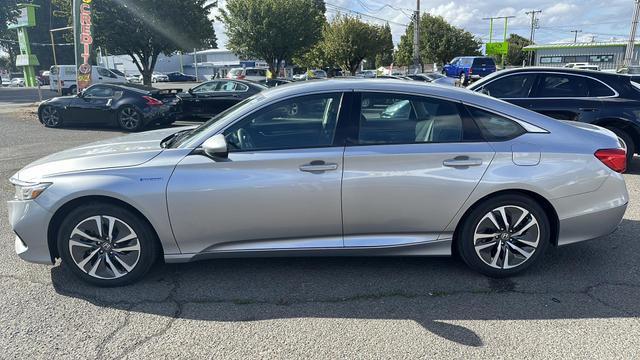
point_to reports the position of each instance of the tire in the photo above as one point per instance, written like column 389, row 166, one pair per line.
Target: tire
column 628, row 142
column 50, row 116
column 100, row 262
column 463, row 79
column 480, row 254
column 130, row 119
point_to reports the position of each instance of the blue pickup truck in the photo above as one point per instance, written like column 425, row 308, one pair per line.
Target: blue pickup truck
column 467, row 68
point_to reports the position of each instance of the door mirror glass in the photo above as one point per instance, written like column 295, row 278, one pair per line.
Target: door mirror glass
column 216, row 146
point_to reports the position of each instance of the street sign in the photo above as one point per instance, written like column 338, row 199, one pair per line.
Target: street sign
column 27, row 17
column 497, row 48
column 83, row 34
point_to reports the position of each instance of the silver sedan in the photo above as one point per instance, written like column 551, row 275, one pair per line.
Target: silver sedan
column 345, row 167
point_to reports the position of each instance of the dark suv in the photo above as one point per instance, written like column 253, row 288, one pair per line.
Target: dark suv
column 605, row 99
column 468, row 68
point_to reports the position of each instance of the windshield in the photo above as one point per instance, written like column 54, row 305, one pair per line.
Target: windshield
column 201, row 133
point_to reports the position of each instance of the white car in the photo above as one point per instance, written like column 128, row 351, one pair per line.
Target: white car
column 158, row 77
column 17, row 82
column 366, row 74
column 582, row 66
column 252, row 74
column 6, row 81
column 134, row 79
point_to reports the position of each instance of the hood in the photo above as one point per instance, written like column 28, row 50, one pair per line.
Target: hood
column 124, row 151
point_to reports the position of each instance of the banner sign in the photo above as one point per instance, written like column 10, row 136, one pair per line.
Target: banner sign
column 497, row 48
column 83, row 34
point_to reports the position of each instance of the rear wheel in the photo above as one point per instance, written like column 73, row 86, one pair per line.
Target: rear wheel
column 106, row 245
column 50, row 117
column 130, row 119
column 629, row 144
column 504, row 235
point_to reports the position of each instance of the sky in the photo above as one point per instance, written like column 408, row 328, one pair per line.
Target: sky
column 598, row 20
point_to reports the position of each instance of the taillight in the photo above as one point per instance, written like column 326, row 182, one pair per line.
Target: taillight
column 152, row 101
column 615, row 159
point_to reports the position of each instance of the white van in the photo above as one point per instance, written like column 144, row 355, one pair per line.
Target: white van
column 68, row 85
column 252, row 74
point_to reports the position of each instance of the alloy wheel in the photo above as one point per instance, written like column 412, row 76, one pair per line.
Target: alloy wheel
column 506, row 237
column 50, row 116
column 104, row 247
column 129, row 118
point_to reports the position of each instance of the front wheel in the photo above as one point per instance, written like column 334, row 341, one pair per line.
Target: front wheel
column 504, row 235
column 130, row 119
column 106, row 245
column 50, row 117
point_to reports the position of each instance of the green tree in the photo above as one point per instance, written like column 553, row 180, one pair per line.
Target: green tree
column 144, row 29
column 439, row 42
column 8, row 37
column 384, row 57
column 273, row 30
column 348, row 40
column 516, row 56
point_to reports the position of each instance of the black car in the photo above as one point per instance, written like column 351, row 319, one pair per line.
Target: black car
column 178, row 76
column 605, row 99
column 273, row 82
column 129, row 106
column 212, row 97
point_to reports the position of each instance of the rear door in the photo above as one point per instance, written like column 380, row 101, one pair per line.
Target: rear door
column 408, row 170
column 567, row 97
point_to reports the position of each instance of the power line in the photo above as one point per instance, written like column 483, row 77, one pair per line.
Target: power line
column 338, row 8
column 386, row 5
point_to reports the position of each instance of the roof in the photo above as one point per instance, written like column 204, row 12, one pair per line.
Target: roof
column 584, row 45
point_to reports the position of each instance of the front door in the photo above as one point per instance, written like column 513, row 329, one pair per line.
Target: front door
column 279, row 188
column 414, row 162
column 93, row 106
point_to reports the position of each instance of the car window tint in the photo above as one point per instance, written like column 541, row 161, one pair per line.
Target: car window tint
column 301, row 122
column 483, row 62
column 560, row 85
column 402, row 119
column 597, row 88
column 495, row 127
column 98, row 91
column 512, row 86
column 206, row 87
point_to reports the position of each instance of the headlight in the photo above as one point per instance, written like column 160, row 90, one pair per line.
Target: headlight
column 28, row 190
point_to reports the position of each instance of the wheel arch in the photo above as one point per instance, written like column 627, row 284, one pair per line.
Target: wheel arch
column 66, row 208
column 625, row 125
column 541, row 200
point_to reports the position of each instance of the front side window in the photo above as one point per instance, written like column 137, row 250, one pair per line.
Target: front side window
column 403, row 119
column 511, row 87
column 495, row 127
column 105, row 72
column 560, row 85
column 302, row 122
column 98, row 92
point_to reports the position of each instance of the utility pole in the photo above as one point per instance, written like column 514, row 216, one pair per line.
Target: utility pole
column 575, row 39
column 628, row 56
column 416, row 36
column 504, row 37
column 534, row 26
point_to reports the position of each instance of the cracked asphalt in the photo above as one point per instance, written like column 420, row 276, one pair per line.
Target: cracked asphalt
column 581, row 301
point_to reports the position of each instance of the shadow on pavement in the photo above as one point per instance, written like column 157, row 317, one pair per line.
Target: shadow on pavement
column 597, row 279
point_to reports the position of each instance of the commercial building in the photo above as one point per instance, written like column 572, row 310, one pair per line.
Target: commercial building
column 206, row 64
column 607, row 55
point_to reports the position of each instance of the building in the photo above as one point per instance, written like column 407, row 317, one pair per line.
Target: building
column 607, row 55
column 206, row 64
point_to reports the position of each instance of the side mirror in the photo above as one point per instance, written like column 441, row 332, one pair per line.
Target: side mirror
column 216, row 147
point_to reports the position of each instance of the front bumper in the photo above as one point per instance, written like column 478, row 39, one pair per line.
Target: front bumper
column 30, row 222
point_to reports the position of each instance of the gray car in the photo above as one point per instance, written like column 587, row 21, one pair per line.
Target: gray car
column 337, row 167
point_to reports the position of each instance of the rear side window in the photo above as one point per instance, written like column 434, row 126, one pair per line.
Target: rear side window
column 596, row 88
column 495, row 127
column 560, row 85
column 483, row 62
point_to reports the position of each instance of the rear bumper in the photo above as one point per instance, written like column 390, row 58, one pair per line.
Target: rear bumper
column 30, row 222
column 592, row 215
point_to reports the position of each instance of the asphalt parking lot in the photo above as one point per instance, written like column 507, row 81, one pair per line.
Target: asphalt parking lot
column 580, row 302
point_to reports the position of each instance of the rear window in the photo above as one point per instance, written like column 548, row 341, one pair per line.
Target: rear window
column 483, row 62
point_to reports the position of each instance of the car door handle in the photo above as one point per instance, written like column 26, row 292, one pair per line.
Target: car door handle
column 462, row 161
column 588, row 109
column 318, row 166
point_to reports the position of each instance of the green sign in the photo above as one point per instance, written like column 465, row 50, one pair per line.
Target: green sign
column 83, row 31
column 27, row 17
column 26, row 59
column 497, row 48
